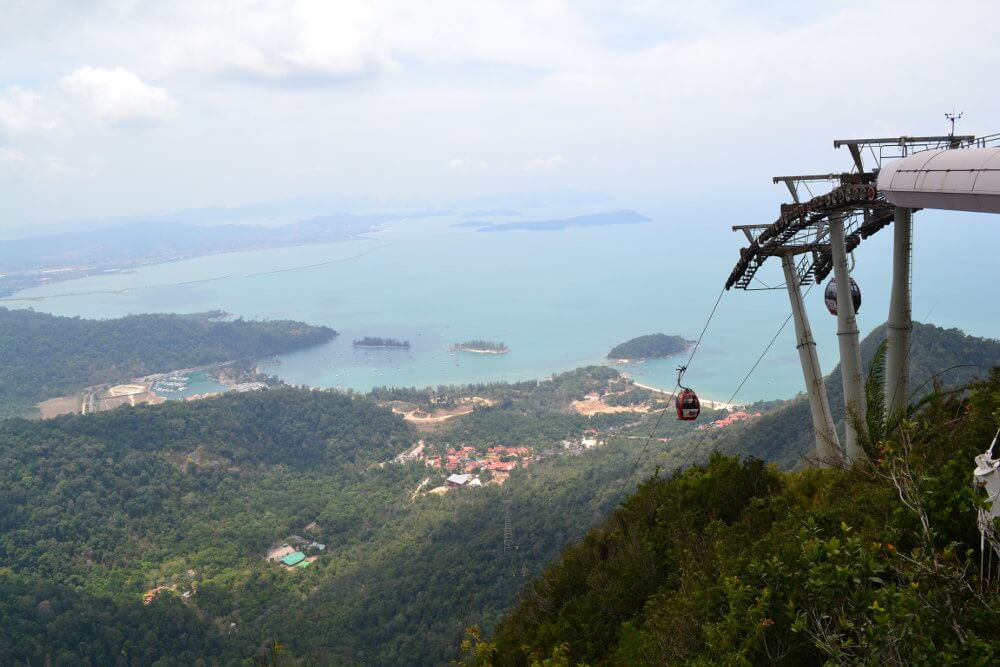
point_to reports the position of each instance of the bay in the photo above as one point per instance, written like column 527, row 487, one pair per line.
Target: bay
column 558, row 299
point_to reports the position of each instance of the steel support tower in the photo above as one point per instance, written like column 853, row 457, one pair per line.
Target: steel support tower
column 899, row 328
column 827, row 442
column 822, row 232
column 855, row 404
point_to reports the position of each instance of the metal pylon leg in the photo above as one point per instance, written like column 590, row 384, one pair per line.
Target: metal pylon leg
column 900, row 322
column 827, row 443
column 850, row 347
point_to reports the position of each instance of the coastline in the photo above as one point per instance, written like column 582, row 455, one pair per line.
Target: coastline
column 479, row 351
column 708, row 403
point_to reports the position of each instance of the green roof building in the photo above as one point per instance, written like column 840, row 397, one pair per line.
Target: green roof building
column 293, row 558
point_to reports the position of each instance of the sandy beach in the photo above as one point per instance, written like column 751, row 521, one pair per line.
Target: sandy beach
column 715, row 405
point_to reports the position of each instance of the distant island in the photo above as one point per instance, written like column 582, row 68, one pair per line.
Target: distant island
column 652, row 346
column 481, row 347
column 375, row 341
column 472, row 223
column 624, row 217
column 492, row 212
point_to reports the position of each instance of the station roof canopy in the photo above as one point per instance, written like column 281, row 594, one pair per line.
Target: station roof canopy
column 961, row 180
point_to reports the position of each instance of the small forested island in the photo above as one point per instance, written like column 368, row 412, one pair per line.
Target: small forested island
column 376, row 341
column 481, row 347
column 652, row 346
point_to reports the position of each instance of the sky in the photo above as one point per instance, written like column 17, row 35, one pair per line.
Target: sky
column 122, row 107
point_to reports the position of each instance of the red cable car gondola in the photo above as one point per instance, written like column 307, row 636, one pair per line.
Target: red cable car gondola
column 830, row 296
column 688, row 405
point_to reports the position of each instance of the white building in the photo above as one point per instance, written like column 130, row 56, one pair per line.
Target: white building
column 457, row 480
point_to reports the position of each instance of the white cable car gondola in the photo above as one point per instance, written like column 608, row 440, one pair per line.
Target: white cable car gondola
column 830, row 296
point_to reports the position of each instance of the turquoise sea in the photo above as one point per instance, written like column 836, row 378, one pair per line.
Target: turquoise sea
column 559, row 299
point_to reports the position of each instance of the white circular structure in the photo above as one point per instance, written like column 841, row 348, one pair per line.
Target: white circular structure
column 126, row 390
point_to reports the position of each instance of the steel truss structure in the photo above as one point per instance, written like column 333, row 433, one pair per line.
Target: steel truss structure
column 813, row 238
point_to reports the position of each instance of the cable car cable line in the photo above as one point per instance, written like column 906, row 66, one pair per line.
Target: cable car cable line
column 721, row 410
column 746, row 378
column 673, row 395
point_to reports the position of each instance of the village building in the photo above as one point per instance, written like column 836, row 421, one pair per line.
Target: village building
column 454, row 481
column 280, row 552
column 293, row 559
column 731, row 418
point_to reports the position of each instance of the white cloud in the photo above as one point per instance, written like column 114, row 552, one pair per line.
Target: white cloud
column 23, row 112
column 46, row 167
column 106, row 97
column 466, row 164
column 299, row 41
column 545, row 163
column 616, row 95
column 117, row 97
column 11, row 156
column 532, row 34
column 306, row 41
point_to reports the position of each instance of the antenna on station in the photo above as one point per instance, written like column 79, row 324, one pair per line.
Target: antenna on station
column 952, row 117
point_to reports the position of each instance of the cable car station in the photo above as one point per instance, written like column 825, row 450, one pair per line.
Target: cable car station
column 890, row 179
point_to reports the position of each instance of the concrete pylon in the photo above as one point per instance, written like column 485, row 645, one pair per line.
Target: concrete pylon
column 827, row 443
column 900, row 323
column 850, row 347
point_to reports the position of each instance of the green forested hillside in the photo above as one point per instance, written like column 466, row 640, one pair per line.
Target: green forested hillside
column 736, row 563
column 947, row 357
column 187, row 494
column 105, row 506
column 92, row 499
column 54, row 624
column 45, row 355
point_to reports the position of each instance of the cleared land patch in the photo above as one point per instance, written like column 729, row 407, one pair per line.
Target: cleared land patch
column 594, row 405
column 64, row 405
